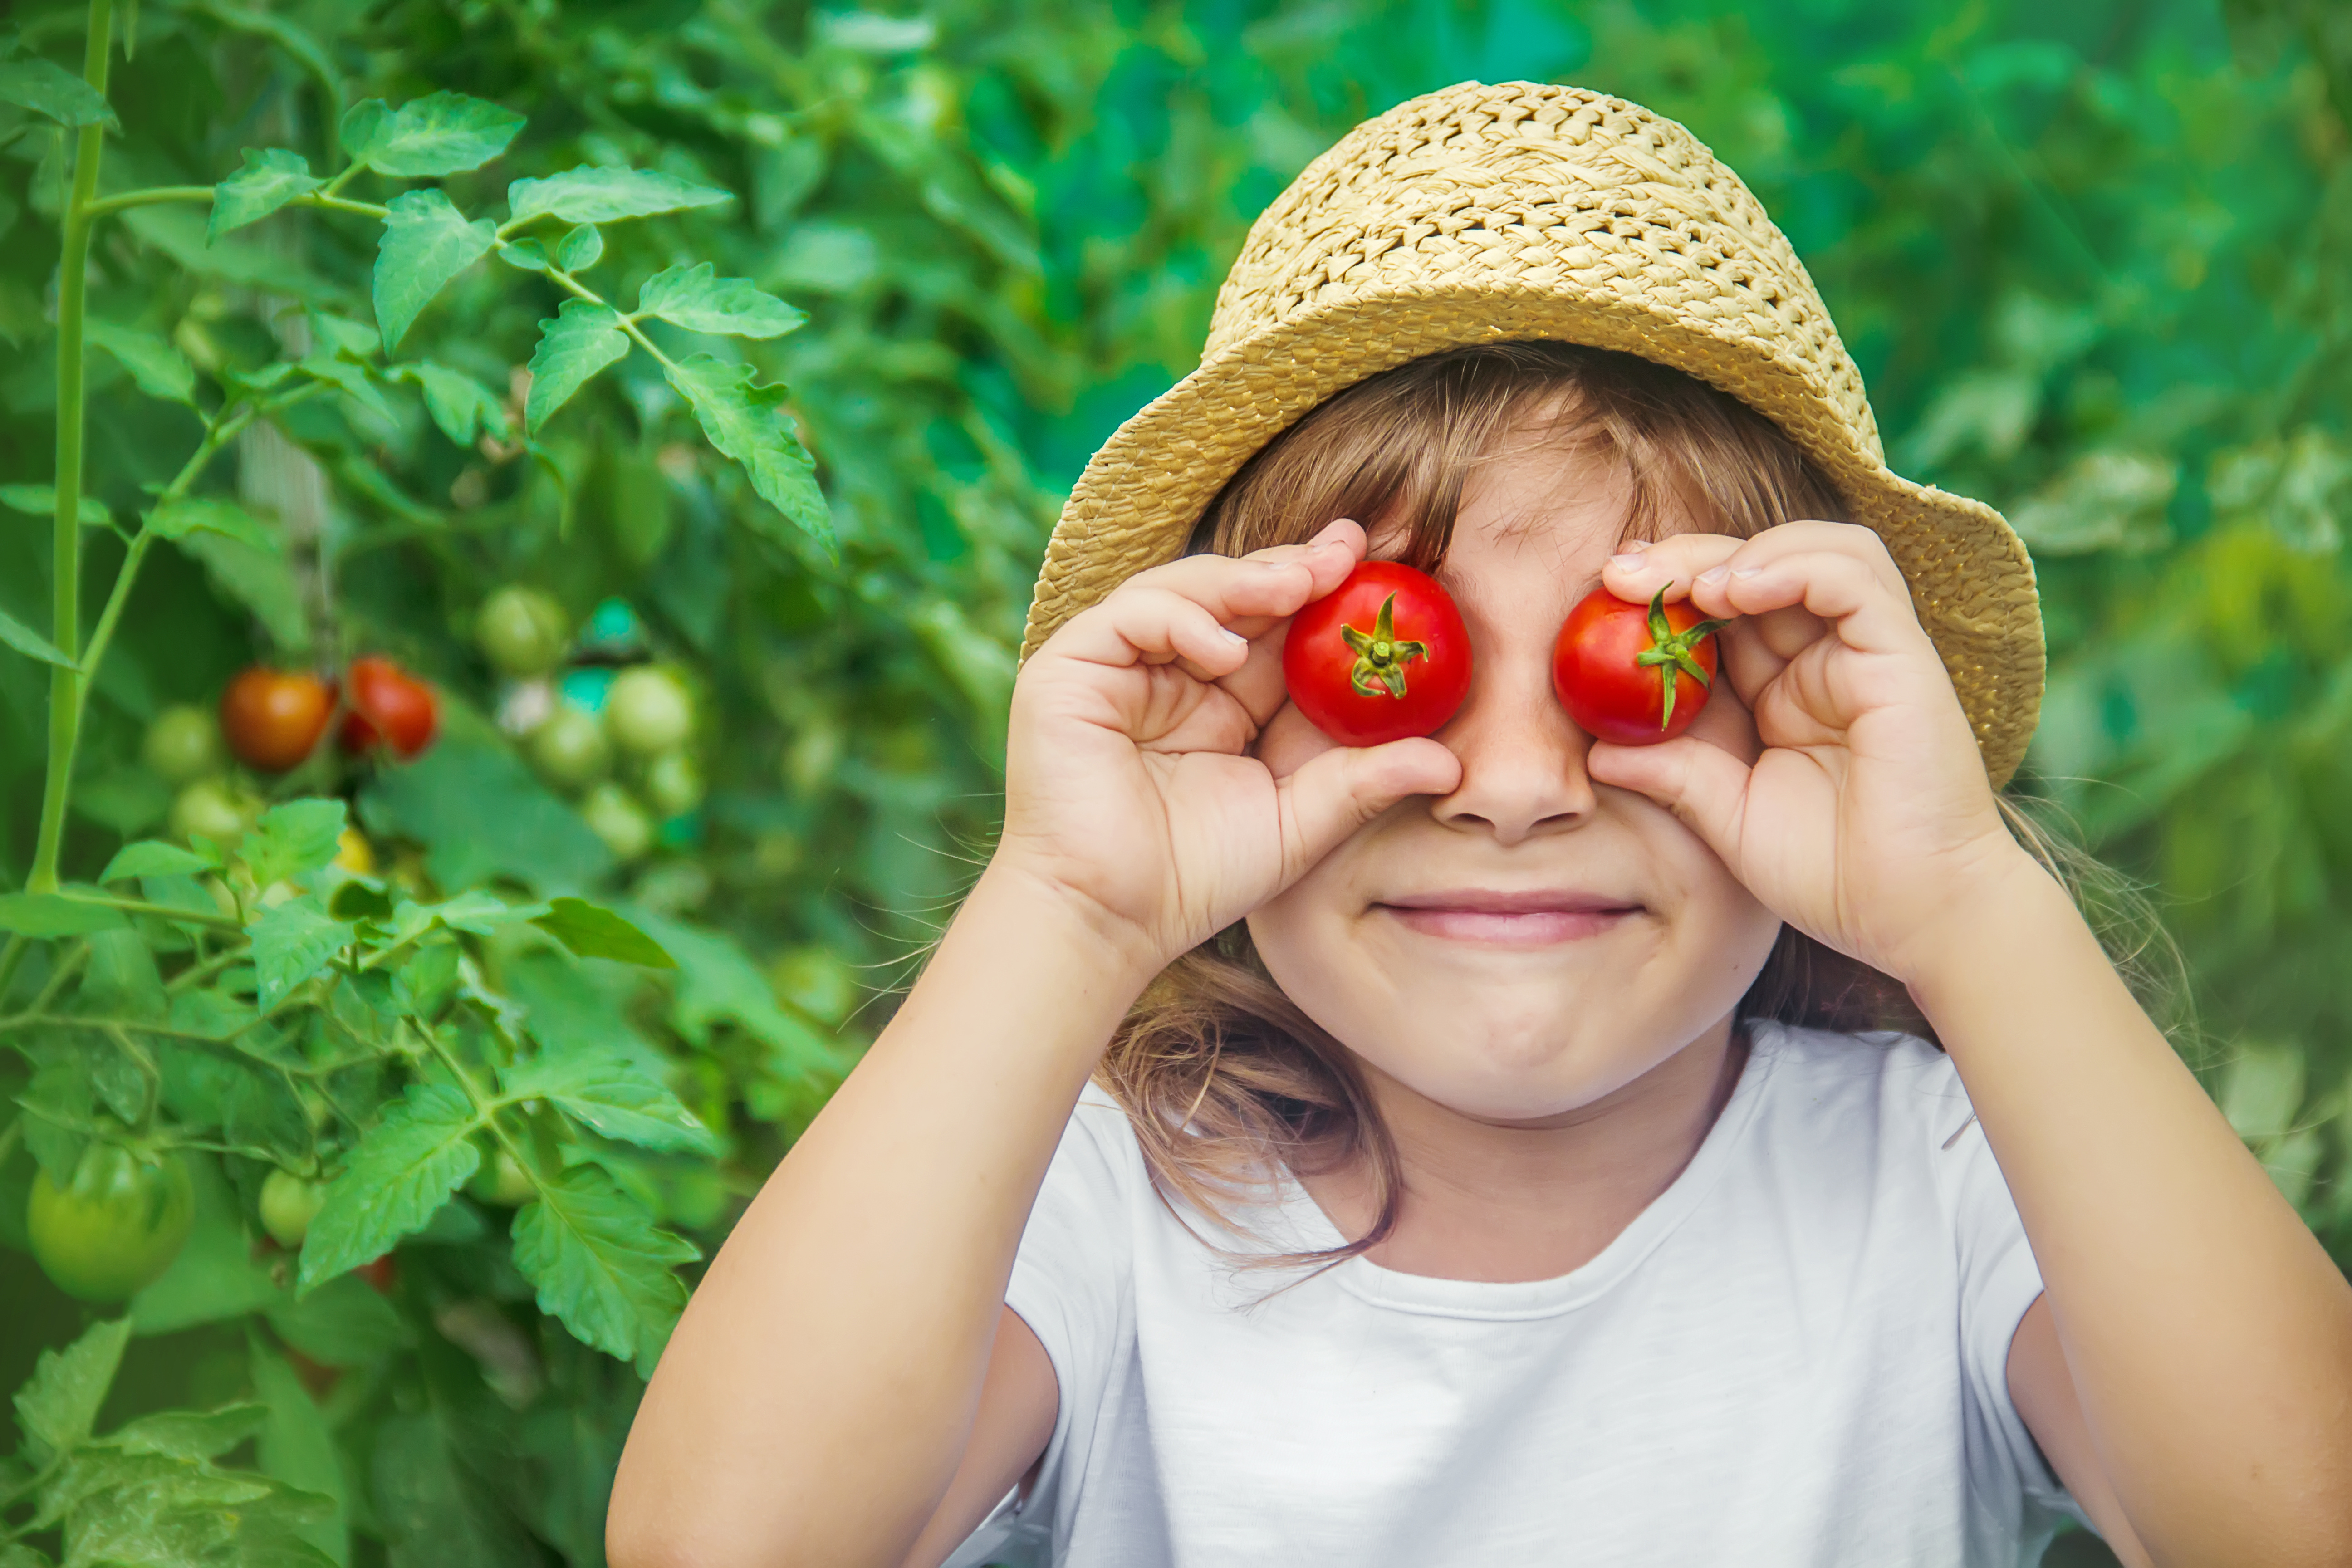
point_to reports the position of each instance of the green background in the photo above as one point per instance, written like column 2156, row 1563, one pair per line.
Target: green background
column 2095, row 261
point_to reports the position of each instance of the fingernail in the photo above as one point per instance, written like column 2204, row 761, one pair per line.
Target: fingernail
column 1233, row 636
column 1745, row 573
column 1633, row 546
column 1714, row 574
column 1626, row 562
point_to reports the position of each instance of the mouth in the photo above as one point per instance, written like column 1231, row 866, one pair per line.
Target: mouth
column 1537, row 918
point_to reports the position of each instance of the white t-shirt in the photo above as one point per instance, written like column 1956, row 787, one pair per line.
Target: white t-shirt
column 1795, row 1358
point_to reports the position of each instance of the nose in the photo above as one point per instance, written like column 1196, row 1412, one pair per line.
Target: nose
column 1522, row 758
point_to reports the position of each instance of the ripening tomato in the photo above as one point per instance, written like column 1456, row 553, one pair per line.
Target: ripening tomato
column 288, row 1205
column 273, row 717
column 387, row 706
column 1633, row 674
column 382, row 1275
column 1381, row 657
column 183, row 745
column 116, row 1225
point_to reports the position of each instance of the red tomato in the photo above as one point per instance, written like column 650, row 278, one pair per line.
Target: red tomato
column 273, row 717
column 384, row 1274
column 1381, row 657
column 1633, row 674
column 387, row 706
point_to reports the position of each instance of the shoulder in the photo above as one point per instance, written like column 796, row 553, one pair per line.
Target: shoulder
column 1098, row 1162
column 1895, row 1091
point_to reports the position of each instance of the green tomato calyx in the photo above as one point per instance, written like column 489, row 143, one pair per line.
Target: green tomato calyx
column 1380, row 653
column 1670, row 650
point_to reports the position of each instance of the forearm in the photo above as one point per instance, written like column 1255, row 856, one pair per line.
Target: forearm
column 815, row 1401
column 2208, row 1335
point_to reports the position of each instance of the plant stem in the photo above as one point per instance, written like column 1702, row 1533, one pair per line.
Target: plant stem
column 160, row 911
column 154, row 194
column 10, row 957
column 65, row 631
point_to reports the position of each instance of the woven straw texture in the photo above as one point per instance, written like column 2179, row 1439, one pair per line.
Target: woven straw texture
column 1487, row 213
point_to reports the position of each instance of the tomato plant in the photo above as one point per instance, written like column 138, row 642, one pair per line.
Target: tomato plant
column 1631, row 673
column 648, row 711
column 273, row 717
column 114, row 1223
column 287, row 1206
column 384, row 705
column 1381, row 657
column 522, row 632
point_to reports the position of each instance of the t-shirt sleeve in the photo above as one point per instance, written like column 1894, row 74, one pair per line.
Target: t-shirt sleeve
column 1998, row 1280
column 1072, row 1284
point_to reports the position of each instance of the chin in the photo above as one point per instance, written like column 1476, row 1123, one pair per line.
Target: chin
column 1508, row 1069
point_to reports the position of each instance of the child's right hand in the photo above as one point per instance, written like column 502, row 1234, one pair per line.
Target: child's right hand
column 1130, row 787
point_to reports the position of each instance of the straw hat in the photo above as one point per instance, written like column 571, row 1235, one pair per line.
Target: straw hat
column 1486, row 213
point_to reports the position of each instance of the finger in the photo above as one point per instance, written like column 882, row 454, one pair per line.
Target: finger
column 1641, row 567
column 1870, row 614
column 1338, row 790
column 1704, row 786
column 1152, row 625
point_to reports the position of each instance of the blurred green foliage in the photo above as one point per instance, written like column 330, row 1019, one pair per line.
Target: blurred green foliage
column 2095, row 261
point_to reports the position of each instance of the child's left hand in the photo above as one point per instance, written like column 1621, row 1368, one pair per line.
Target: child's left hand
column 1867, row 820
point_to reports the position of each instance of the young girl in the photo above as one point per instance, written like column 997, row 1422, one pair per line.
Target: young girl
column 1457, row 1151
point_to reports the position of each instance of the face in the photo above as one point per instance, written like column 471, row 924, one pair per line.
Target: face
column 1531, row 943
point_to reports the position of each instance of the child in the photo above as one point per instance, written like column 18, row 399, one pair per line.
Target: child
column 1451, row 1152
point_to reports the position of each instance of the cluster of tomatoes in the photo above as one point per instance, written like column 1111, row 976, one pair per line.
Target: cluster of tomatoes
column 1385, row 655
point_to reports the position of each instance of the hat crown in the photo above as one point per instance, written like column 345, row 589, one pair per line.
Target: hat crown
column 1523, row 186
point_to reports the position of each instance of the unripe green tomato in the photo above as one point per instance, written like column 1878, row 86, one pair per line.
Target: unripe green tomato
column 212, row 807
column 183, row 745
column 288, row 1205
column 673, row 783
column 619, row 821
column 569, row 749
column 648, row 711
column 111, row 1230
column 500, row 1181
column 522, row 632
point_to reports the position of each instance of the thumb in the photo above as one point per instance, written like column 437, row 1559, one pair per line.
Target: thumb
column 1339, row 791
column 1704, row 786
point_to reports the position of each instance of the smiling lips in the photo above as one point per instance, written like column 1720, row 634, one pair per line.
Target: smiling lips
column 1514, row 920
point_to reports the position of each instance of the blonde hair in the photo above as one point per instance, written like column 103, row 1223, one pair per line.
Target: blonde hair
column 1223, row 1076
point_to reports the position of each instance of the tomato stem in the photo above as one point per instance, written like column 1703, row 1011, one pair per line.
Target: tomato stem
column 1380, row 653
column 1670, row 651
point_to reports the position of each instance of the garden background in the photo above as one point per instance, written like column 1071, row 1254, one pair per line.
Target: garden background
column 2095, row 261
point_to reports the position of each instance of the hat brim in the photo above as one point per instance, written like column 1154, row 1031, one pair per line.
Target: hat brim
column 1140, row 495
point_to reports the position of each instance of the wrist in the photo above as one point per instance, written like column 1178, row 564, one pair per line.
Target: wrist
column 1013, row 895
column 2009, row 898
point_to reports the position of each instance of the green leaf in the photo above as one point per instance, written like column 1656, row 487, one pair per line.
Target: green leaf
column 344, row 1322
column 56, row 1408
column 590, row 931
column 747, row 423
column 481, row 813
column 30, row 643
column 271, row 177
column 581, row 248
column 613, row 1097
column 693, row 298
column 153, row 857
column 352, row 380
column 159, row 369
column 583, row 338
column 434, row 1505
column 190, row 1433
column 48, row 88
column 258, row 576
column 290, row 944
column 404, row 1169
column 41, row 501
column 462, row 406
column 445, row 133
column 183, row 515
column 216, row 1275
column 297, row 1447
column 54, row 914
column 526, row 255
column 297, row 836
column 590, row 194
column 602, row 1265
column 426, row 242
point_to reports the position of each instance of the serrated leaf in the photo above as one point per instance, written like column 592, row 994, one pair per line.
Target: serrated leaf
column 41, row 501
column 462, row 406
column 747, row 423
column 426, row 242
column 445, row 133
column 183, row 515
column 583, row 338
column 290, row 944
column 696, row 299
column 46, row 87
column 581, row 248
column 342, row 336
column 602, row 1265
column 590, row 194
column 613, row 1097
column 293, row 837
column 271, row 177
column 30, row 643
column 54, row 914
column 403, row 1170
column 159, row 369
column 153, row 857
column 189, row 1434
column 56, row 1408
column 592, row 931
column 352, row 380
